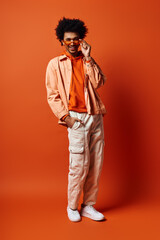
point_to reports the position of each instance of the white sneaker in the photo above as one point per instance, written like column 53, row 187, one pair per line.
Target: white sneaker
column 90, row 212
column 73, row 215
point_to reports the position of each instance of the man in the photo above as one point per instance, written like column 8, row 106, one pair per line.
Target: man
column 71, row 82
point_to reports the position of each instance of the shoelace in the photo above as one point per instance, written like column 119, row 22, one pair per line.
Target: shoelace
column 93, row 208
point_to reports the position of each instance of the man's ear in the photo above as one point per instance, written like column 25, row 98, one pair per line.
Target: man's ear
column 61, row 43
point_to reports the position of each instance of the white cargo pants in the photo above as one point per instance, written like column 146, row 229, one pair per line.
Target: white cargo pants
column 86, row 144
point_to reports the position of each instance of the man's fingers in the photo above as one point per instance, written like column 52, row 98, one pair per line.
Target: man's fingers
column 79, row 120
column 83, row 42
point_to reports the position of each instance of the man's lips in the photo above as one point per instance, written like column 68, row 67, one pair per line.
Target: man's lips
column 72, row 47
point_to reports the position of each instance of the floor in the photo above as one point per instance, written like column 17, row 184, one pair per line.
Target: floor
column 46, row 218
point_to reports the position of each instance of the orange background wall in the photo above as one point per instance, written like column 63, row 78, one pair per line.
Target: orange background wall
column 124, row 36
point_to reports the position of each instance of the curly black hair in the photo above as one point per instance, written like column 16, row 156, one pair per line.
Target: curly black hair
column 70, row 25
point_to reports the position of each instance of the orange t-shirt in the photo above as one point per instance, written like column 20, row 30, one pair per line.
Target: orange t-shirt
column 76, row 93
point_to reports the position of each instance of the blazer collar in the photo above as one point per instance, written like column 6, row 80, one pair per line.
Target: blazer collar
column 61, row 57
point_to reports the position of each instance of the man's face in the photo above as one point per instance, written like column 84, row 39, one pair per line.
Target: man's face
column 72, row 48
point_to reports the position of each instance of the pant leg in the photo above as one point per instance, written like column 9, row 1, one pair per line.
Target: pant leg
column 79, row 157
column 96, row 147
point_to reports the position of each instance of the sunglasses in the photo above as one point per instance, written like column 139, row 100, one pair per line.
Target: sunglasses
column 75, row 41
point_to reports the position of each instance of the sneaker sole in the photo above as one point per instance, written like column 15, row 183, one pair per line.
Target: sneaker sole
column 89, row 216
column 74, row 220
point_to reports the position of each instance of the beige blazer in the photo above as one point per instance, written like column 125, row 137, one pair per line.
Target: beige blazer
column 57, row 82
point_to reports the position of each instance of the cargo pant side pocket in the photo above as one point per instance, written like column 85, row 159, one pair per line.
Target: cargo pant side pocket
column 76, row 159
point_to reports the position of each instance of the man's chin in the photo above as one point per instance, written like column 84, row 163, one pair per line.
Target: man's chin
column 73, row 51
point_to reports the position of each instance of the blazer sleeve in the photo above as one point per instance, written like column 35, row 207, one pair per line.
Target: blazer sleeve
column 95, row 74
column 53, row 96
